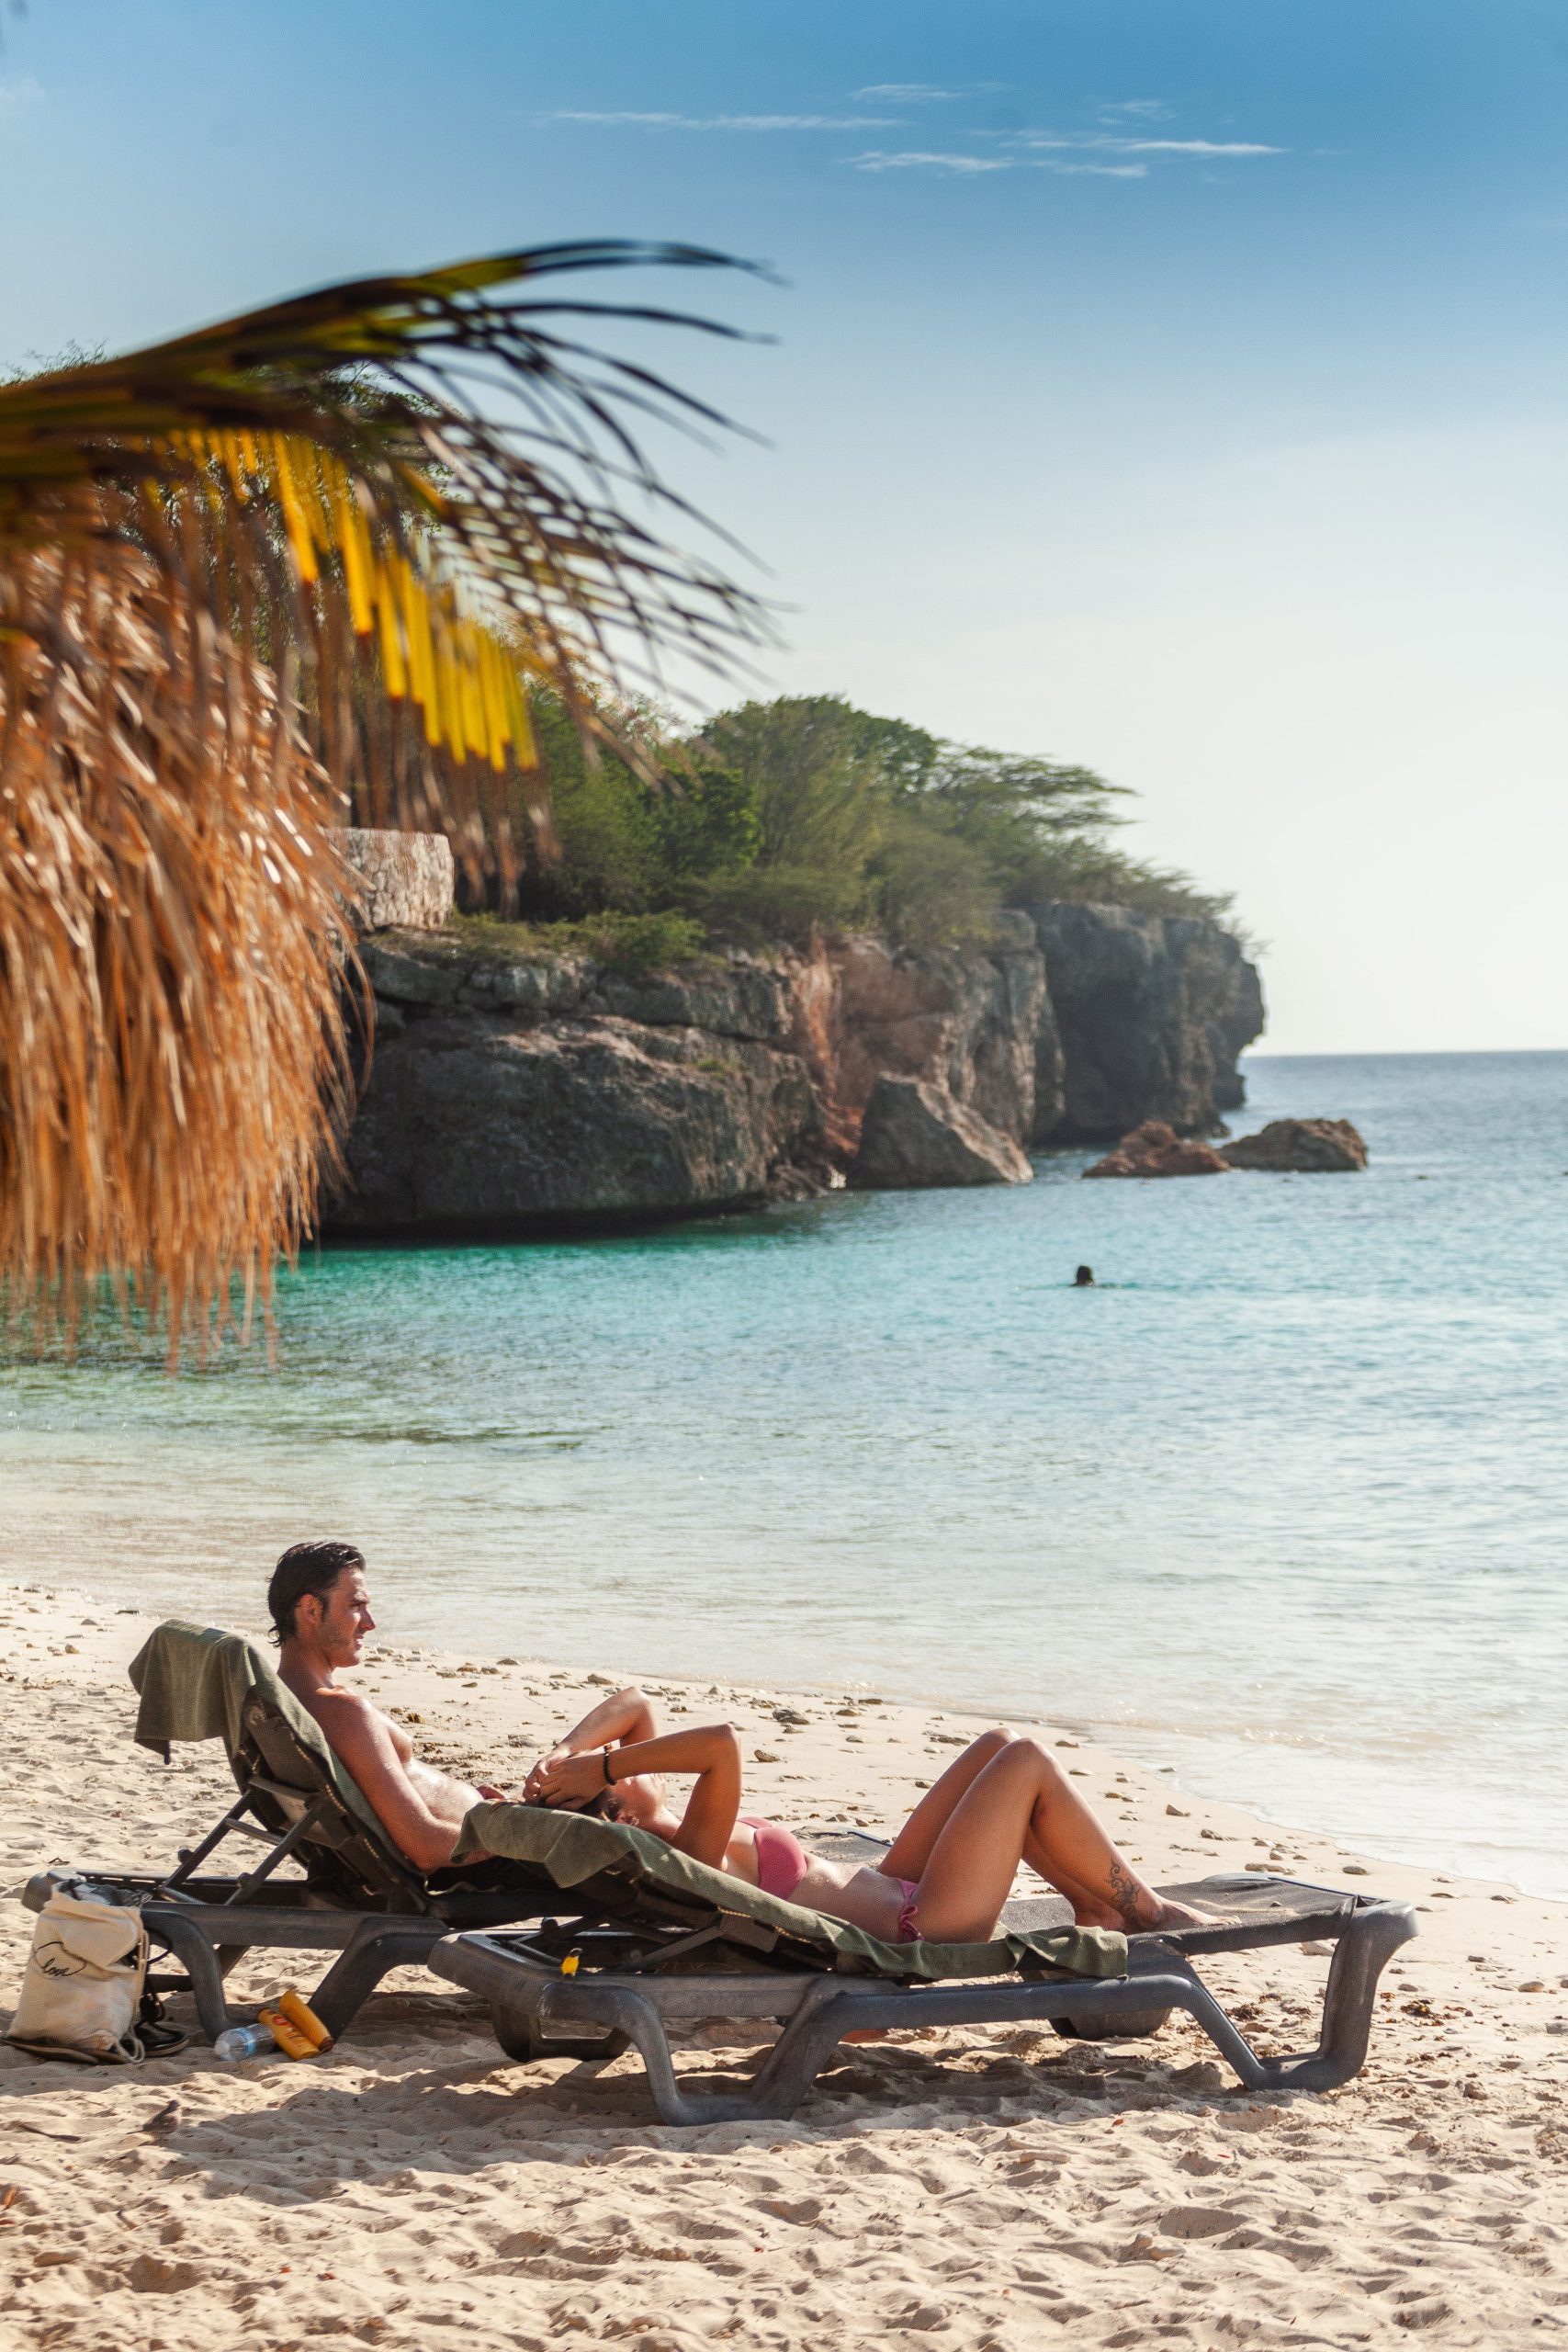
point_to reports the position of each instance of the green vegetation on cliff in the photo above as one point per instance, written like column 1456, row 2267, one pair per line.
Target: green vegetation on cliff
column 805, row 810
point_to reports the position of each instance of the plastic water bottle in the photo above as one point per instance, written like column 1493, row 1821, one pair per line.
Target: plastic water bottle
column 245, row 2041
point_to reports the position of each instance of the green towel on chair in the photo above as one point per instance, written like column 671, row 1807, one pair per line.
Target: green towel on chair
column 193, row 1681
column 575, row 1846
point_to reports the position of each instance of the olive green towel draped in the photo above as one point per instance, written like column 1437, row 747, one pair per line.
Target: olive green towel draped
column 193, row 1681
column 572, row 1847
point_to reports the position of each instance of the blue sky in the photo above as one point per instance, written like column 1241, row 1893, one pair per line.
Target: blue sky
column 1176, row 387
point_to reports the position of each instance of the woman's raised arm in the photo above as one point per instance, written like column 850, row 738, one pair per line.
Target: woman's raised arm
column 627, row 1715
column 711, row 1752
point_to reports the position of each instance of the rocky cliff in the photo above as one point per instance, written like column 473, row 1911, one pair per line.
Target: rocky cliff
column 506, row 1092
column 511, row 1091
column 1152, row 1011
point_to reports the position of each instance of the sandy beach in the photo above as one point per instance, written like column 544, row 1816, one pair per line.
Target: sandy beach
column 984, row 2188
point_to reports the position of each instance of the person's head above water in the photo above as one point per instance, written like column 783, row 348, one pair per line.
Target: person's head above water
column 1084, row 1278
column 318, row 1597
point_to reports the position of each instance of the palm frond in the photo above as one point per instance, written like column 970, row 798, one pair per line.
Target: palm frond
column 321, row 471
column 174, row 1046
column 250, row 578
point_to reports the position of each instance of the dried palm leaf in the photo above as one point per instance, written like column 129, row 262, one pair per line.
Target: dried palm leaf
column 243, row 576
column 319, row 477
column 174, row 1063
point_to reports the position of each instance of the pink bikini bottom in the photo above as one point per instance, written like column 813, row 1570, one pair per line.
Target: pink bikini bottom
column 908, row 1926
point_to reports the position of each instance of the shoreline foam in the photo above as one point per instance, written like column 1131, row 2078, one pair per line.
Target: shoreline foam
column 976, row 2189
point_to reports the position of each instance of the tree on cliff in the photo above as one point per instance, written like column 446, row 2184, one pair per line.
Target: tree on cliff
column 807, row 811
column 244, row 574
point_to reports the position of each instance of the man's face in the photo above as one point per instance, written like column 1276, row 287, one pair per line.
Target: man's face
column 346, row 1618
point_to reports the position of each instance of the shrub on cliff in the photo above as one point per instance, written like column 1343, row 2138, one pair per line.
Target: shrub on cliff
column 625, row 849
column 870, row 820
column 633, row 943
column 807, row 811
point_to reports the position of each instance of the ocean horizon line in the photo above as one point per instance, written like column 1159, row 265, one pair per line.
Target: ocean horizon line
column 1404, row 1054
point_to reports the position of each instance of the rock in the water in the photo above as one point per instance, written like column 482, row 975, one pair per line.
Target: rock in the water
column 1312, row 1146
column 915, row 1133
column 1155, row 1150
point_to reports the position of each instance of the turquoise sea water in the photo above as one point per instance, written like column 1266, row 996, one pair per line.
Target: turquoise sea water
column 1281, row 1503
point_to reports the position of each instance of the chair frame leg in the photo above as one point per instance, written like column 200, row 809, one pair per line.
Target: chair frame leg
column 544, row 2016
column 205, row 1965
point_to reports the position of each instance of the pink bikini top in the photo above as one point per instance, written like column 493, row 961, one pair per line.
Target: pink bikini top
column 782, row 1861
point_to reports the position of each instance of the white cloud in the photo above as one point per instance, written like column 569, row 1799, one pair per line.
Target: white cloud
column 16, row 95
column 1105, row 142
column 960, row 166
column 1193, row 147
column 1143, row 109
column 1068, row 154
column 906, row 93
column 1098, row 171
column 722, row 121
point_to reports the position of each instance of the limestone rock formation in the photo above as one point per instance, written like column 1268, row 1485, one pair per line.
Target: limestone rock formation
column 512, row 1087
column 1311, row 1147
column 1155, row 1150
column 964, row 1019
column 1152, row 1011
column 915, row 1133
column 473, row 1121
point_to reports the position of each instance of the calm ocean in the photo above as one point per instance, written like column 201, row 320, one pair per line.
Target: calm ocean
column 1282, row 1503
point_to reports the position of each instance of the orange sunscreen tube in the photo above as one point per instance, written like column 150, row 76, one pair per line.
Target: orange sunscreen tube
column 303, row 2018
column 288, row 2036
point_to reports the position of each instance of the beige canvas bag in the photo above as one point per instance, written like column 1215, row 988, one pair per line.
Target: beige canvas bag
column 81, row 1992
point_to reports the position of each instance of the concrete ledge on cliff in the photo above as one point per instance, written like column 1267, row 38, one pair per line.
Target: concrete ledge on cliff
column 915, row 1135
column 404, row 878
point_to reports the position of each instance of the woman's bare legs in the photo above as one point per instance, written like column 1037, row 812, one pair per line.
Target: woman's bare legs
column 911, row 1850
column 1019, row 1804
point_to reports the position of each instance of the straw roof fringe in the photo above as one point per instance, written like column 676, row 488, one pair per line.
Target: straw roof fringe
column 173, row 957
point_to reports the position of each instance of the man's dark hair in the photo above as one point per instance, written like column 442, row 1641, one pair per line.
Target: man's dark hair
column 306, row 1567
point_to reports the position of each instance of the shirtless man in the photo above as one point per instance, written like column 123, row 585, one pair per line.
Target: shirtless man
column 947, row 1874
column 320, row 1612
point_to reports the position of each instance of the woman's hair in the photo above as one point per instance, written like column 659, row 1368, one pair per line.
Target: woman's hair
column 306, row 1567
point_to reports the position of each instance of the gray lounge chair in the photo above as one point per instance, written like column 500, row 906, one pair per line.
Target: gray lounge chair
column 705, row 1946
column 623, row 1934
column 347, row 1888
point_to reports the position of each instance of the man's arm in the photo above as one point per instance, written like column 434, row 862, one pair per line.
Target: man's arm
column 359, row 1735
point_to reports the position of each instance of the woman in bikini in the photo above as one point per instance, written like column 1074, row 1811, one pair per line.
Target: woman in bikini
column 946, row 1875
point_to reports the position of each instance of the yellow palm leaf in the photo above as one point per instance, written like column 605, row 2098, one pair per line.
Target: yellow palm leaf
column 246, row 576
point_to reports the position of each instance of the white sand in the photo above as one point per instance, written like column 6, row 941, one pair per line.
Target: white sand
column 984, row 2188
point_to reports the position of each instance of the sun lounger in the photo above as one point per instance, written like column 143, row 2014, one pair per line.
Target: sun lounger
column 583, row 1935
column 653, row 1938
column 346, row 1889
